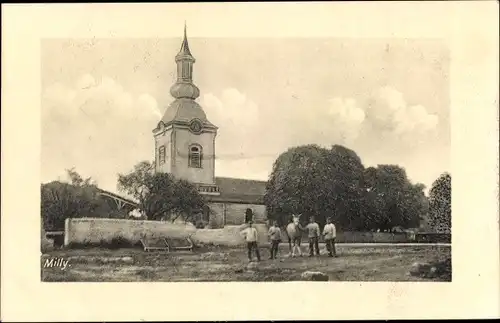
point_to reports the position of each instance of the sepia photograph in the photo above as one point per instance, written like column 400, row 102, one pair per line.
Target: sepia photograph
column 226, row 159
column 222, row 161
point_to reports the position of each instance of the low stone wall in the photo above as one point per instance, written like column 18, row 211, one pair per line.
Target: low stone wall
column 433, row 237
column 95, row 231
column 385, row 237
column 98, row 230
column 363, row 237
column 230, row 235
column 373, row 237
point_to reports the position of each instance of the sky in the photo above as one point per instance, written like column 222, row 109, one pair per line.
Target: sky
column 387, row 99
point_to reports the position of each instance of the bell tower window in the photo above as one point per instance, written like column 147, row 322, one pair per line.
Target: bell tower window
column 195, row 156
column 161, row 155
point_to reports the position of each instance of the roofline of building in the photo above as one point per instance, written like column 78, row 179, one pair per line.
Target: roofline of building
column 236, row 200
column 243, row 179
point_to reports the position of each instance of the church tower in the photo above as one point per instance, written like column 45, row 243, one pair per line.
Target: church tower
column 184, row 138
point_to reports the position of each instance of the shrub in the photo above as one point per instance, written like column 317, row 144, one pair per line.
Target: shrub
column 433, row 238
column 119, row 242
column 115, row 243
column 200, row 224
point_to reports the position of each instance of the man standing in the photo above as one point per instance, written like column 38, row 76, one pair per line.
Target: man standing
column 330, row 233
column 313, row 235
column 250, row 234
column 275, row 237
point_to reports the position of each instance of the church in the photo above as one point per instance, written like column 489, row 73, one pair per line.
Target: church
column 185, row 142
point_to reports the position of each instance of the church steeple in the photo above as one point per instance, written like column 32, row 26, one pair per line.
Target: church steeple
column 184, row 138
column 185, row 52
column 184, row 87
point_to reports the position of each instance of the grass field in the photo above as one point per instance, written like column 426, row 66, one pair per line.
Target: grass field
column 355, row 263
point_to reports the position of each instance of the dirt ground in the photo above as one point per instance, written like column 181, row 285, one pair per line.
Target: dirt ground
column 386, row 263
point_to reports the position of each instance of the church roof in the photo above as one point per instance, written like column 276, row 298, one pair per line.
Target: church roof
column 238, row 190
column 184, row 110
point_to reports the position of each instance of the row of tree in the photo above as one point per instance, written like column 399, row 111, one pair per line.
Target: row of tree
column 159, row 197
column 61, row 200
column 314, row 181
column 307, row 180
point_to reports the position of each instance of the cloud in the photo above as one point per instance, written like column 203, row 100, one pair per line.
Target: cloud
column 243, row 143
column 345, row 117
column 85, row 82
column 231, row 108
column 388, row 111
column 384, row 116
column 102, row 129
column 96, row 126
column 237, row 117
column 97, row 98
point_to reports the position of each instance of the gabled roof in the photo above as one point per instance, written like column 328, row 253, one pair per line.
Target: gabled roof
column 238, row 190
column 232, row 190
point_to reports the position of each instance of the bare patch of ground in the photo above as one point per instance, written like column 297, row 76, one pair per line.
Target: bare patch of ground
column 370, row 263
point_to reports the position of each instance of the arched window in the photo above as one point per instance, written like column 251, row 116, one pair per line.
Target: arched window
column 195, row 156
column 161, row 155
column 248, row 215
column 206, row 213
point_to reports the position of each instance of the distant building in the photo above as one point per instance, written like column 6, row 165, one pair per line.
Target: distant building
column 185, row 147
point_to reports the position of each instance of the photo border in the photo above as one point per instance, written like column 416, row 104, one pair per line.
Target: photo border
column 471, row 29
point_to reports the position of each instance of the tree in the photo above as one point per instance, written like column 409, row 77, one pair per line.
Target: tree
column 440, row 203
column 135, row 182
column 311, row 180
column 160, row 195
column 343, row 188
column 77, row 180
column 186, row 202
column 391, row 199
column 290, row 188
column 60, row 200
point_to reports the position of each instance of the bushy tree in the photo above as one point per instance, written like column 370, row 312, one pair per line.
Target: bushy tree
column 392, row 200
column 135, row 182
column 343, row 196
column 160, row 195
column 311, row 180
column 291, row 186
column 60, row 200
column 77, row 180
column 440, row 203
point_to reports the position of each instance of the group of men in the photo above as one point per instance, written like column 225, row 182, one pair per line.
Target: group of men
column 294, row 233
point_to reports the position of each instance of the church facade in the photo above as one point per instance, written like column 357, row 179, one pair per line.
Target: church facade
column 185, row 142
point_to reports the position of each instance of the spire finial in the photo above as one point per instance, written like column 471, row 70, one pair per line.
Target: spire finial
column 185, row 45
column 184, row 87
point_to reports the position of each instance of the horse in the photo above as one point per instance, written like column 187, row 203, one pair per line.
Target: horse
column 294, row 233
